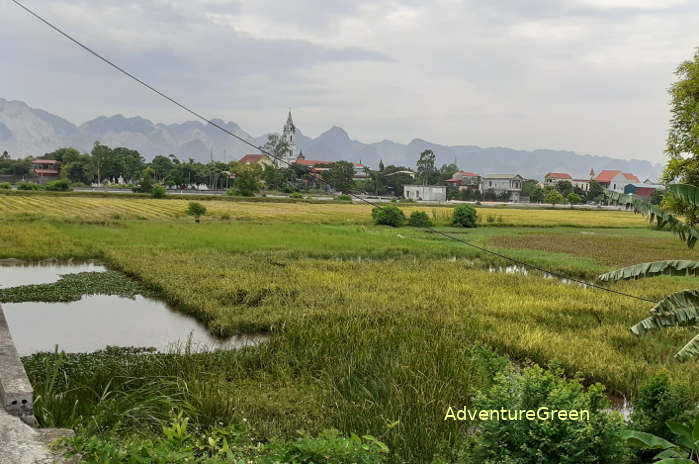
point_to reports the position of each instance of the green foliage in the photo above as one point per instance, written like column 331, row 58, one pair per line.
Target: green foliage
column 296, row 195
column 554, row 197
column 29, row 186
column 683, row 450
column 554, row 440
column 573, row 198
column 343, row 198
column 425, row 166
column 60, row 185
column 248, row 179
column 5, row 186
column 595, row 192
column 419, row 219
column 328, row 447
column 564, row 187
column 659, row 400
column 196, row 209
column 146, row 182
column 682, row 145
column 388, row 215
column 157, row 191
column 339, row 175
column 651, row 269
column 464, row 216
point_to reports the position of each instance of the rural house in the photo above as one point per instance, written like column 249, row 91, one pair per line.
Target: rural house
column 616, row 180
column 642, row 191
column 552, row 178
column 425, row 192
column 464, row 180
column 45, row 169
column 262, row 160
column 501, row 184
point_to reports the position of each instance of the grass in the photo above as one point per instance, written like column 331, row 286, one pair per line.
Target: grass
column 371, row 326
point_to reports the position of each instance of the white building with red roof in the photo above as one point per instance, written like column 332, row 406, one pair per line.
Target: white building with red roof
column 464, row 179
column 614, row 179
column 45, row 168
column 261, row 159
column 553, row 178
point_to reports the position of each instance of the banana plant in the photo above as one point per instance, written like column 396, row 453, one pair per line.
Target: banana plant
column 679, row 308
column 684, row 451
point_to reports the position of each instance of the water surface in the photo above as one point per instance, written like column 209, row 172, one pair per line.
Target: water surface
column 13, row 274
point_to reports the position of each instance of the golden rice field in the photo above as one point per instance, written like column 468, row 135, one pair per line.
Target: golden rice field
column 85, row 207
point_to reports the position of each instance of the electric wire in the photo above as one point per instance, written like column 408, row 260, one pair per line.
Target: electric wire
column 186, row 108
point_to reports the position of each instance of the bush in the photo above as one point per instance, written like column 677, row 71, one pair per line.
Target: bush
column 196, row 209
column 29, row 186
column 659, row 401
column 343, row 197
column 296, row 195
column 420, row 219
column 464, row 216
column 157, row 191
column 5, row 186
column 553, row 440
column 388, row 215
column 60, row 185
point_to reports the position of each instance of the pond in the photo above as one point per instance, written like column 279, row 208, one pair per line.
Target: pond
column 96, row 321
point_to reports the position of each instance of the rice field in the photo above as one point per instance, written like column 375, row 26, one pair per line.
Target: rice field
column 370, row 325
column 107, row 208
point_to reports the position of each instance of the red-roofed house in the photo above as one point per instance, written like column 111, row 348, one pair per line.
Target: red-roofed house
column 464, row 180
column 44, row 168
column 555, row 177
column 312, row 163
column 261, row 159
column 613, row 179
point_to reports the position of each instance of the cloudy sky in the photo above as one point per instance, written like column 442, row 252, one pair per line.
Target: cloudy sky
column 583, row 75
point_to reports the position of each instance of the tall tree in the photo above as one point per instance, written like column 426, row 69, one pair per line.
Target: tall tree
column 276, row 146
column 425, row 166
column 683, row 137
column 100, row 155
column 340, row 175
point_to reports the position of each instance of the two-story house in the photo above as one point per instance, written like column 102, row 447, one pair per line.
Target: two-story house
column 502, row 184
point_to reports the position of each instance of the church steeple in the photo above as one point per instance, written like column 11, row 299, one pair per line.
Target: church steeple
column 289, row 137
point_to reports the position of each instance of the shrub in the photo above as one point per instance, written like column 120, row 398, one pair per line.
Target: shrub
column 659, row 401
column 343, row 197
column 60, row 185
column 158, row 191
column 296, row 195
column 419, row 219
column 388, row 215
column 5, row 186
column 464, row 216
column 196, row 209
column 553, row 440
column 29, row 186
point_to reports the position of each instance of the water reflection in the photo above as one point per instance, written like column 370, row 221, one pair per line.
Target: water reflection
column 14, row 274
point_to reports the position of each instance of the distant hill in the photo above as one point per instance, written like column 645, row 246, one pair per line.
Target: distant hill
column 30, row 131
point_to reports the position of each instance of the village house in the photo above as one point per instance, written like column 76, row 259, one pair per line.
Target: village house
column 45, row 169
column 552, row 178
column 642, row 191
column 615, row 180
column 464, row 180
column 501, row 184
column 262, row 160
column 582, row 184
column 360, row 172
column 425, row 192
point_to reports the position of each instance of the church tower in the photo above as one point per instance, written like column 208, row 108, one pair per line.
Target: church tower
column 289, row 136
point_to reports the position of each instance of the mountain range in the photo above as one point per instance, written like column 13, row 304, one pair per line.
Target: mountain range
column 29, row 131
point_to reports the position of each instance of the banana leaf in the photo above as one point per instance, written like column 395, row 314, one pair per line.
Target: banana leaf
column 687, row 193
column 669, row 267
column 677, row 309
column 690, row 350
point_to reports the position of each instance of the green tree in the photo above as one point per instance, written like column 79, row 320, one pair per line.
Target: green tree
column 158, row 191
column 100, row 155
column 682, row 145
column 77, row 171
column 554, row 197
column 419, row 219
column 425, row 166
column 248, row 179
column 340, row 175
column 388, row 215
column 564, row 187
column 146, row 182
column 595, row 192
column 277, row 147
column 573, row 198
column 196, row 209
column 464, row 216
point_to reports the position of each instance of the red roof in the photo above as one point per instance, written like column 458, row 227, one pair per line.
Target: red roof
column 251, row 159
column 45, row 172
column 312, row 163
column 631, row 177
column 453, row 180
column 607, row 175
column 42, row 161
column 466, row 174
column 558, row 175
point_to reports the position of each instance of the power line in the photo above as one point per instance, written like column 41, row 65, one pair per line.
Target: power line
column 364, row 200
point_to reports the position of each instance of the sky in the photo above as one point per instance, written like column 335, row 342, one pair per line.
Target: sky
column 589, row 76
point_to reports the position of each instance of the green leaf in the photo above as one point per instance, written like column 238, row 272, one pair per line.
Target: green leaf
column 670, row 267
column 689, row 351
column 687, row 193
column 646, row 440
column 676, row 461
column 682, row 432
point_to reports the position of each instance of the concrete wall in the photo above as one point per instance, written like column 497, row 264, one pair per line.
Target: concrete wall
column 16, row 393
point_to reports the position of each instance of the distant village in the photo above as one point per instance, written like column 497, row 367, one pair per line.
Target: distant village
column 283, row 169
